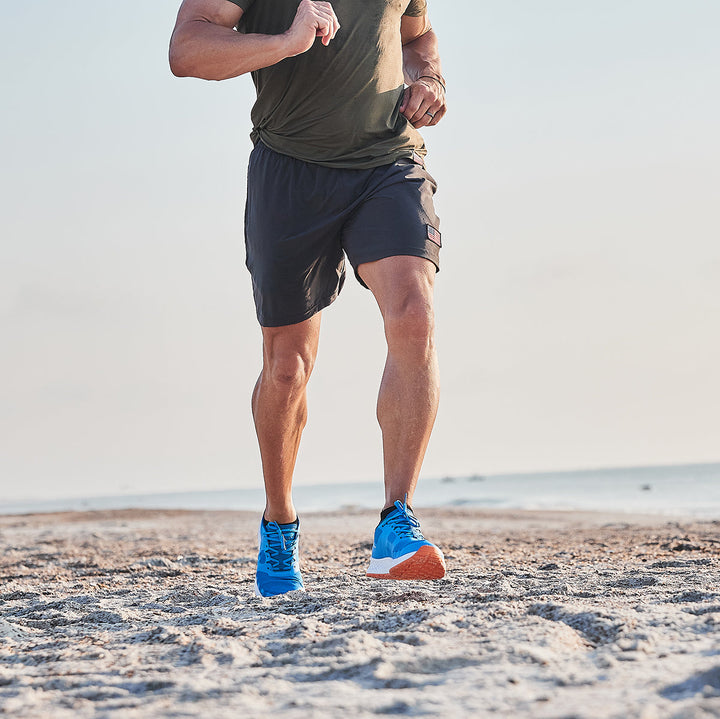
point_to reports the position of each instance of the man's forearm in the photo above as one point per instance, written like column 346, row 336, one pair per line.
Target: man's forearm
column 212, row 52
column 421, row 58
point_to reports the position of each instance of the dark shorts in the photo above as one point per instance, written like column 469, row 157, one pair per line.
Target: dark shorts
column 302, row 219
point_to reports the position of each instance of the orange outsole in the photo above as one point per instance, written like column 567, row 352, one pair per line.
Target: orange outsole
column 426, row 563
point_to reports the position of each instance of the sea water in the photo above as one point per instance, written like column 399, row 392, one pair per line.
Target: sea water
column 690, row 490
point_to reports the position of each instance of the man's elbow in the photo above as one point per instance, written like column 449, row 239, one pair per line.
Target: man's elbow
column 413, row 31
column 180, row 59
column 183, row 55
column 186, row 64
column 176, row 57
column 177, row 67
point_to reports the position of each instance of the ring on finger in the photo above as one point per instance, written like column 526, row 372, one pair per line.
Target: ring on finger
column 430, row 113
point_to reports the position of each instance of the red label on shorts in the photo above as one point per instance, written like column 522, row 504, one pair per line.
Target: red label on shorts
column 434, row 235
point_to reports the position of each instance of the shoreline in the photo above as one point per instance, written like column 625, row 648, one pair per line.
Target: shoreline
column 149, row 613
column 658, row 489
column 560, row 517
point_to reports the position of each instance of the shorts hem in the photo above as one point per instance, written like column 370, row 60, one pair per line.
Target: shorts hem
column 394, row 253
column 296, row 319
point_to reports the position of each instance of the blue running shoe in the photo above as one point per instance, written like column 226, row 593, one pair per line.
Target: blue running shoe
column 278, row 566
column 400, row 551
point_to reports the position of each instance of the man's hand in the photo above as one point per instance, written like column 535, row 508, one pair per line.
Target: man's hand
column 424, row 102
column 313, row 19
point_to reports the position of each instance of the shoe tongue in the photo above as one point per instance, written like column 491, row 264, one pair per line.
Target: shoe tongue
column 291, row 525
column 397, row 509
column 404, row 508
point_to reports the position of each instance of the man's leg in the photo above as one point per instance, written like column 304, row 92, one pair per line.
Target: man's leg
column 409, row 391
column 407, row 405
column 279, row 405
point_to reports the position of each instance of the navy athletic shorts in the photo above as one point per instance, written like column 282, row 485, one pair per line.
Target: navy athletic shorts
column 301, row 219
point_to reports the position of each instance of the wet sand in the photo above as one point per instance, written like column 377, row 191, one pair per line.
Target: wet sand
column 541, row 614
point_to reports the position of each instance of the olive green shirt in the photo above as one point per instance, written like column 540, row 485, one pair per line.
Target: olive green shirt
column 337, row 105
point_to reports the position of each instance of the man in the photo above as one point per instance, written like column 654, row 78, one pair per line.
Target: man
column 337, row 169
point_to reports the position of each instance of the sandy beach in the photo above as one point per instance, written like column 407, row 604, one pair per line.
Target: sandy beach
column 542, row 614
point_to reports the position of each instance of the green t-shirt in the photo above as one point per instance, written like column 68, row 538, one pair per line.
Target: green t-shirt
column 336, row 105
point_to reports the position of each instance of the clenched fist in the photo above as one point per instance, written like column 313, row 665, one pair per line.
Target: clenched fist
column 313, row 19
column 424, row 102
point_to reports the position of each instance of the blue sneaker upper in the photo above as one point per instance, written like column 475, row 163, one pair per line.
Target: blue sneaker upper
column 278, row 566
column 398, row 534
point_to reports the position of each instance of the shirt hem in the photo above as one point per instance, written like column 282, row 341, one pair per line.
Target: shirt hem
column 387, row 159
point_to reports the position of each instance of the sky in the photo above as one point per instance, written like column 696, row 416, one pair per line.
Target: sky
column 578, row 306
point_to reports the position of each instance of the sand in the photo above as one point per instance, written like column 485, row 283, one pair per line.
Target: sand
column 152, row 614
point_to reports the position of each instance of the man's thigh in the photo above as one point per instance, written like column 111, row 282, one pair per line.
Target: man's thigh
column 396, row 218
column 399, row 281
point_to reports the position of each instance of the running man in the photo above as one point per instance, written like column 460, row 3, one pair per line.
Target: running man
column 337, row 170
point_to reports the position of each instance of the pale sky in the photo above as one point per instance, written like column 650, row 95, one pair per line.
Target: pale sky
column 578, row 307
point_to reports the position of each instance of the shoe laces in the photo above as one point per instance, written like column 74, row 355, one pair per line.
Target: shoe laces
column 279, row 547
column 404, row 523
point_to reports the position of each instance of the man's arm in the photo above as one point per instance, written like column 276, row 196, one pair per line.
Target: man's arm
column 204, row 44
column 421, row 63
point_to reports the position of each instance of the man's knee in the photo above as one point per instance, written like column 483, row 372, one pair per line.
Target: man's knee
column 288, row 361
column 289, row 354
column 410, row 324
column 289, row 368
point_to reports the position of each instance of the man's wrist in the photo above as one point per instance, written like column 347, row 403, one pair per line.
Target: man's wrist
column 440, row 80
column 288, row 44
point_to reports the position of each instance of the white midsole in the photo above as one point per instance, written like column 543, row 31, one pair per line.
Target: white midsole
column 384, row 565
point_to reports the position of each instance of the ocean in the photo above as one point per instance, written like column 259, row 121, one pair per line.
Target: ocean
column 688, row 490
